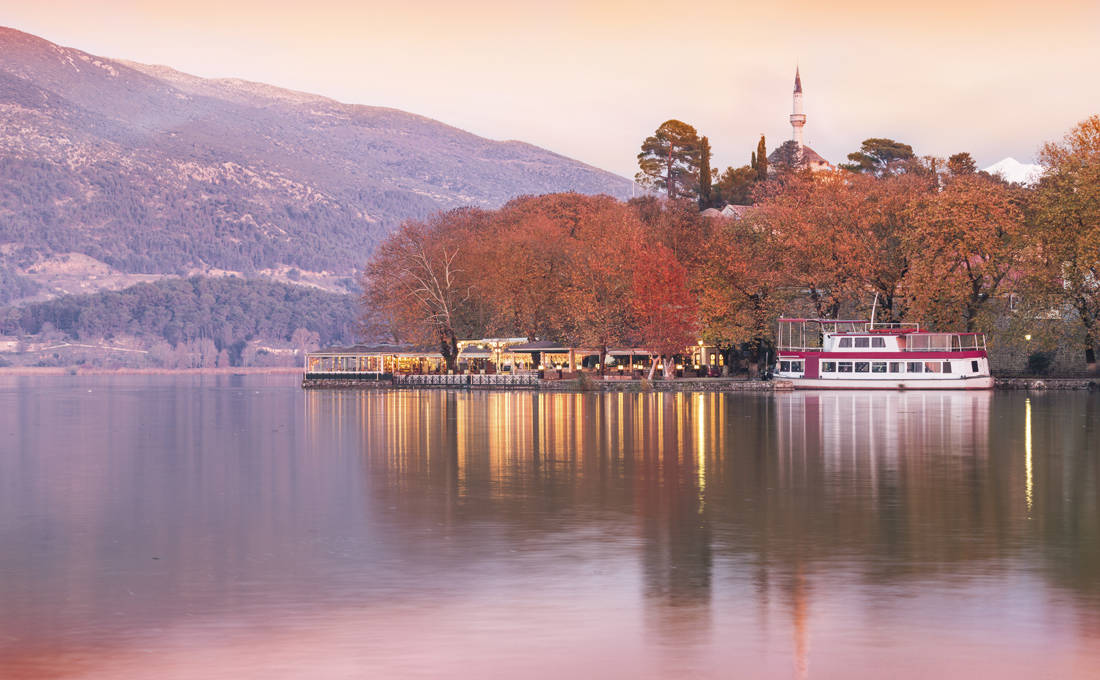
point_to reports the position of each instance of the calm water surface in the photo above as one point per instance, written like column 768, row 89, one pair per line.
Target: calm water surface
column 183, row 527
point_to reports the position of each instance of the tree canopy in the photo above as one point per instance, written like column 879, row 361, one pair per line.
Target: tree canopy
column 879, row 156
column 670, row 160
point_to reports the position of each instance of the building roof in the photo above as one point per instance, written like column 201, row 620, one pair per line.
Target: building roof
column 797, row 80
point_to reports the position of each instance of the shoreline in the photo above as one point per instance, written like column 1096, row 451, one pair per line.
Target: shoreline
column 682, row 385
column 77, row 370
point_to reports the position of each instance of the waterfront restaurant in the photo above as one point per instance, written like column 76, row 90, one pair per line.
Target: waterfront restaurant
column 488, row 356
column 372, row 362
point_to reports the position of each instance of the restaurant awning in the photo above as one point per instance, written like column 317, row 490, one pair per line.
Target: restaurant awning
column 539, row 346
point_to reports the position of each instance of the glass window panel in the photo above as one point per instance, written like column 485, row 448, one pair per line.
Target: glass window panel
column 878, row 366
column 845, row 342
column 947, row 367
column 915, row 367
column 863, row 367
column 974, row 366
column 895, row 367
column 844, row 367
column 863, row 342
column 878, row 342
column 931, row 367
column 784, row 366
column 830, row 366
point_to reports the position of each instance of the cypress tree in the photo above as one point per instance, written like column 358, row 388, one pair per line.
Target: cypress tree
column 704, row 173
column 761, row 160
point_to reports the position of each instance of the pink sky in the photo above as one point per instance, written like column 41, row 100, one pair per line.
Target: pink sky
column 591, row 79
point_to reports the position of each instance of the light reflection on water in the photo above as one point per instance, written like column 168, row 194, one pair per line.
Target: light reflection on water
column 240, row 527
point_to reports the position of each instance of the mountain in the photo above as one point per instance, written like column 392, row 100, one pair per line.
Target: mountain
column 144, row 170
column 1012, row 170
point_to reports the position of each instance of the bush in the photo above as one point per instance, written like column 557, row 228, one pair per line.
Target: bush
column 1039, row 363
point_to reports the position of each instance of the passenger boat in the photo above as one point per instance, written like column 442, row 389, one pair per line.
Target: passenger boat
column 848, row 354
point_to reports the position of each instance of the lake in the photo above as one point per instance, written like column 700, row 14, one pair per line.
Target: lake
column 240, row 527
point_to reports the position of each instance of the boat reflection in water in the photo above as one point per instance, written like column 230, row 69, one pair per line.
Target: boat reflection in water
column 528, row 534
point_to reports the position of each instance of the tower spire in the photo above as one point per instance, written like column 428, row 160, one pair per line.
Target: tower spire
column 798, row 119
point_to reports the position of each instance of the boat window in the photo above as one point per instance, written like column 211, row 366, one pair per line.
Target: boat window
column 895, row 367
column 863, row 367
column 947, row 367
column 784, row 366
column 878, row 366
column 830, row 366
column 845, row 342
column 863, row 342
column 796, row 366
column 878, row 342
column 931, row 367
column 974, row 366
column 844, row 367
column 915, row 367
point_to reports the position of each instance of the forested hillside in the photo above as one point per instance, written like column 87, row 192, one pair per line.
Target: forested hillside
column 154, row 171
column 228, row 311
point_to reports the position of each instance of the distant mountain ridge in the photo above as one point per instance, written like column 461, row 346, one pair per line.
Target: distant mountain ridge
column 154, row 171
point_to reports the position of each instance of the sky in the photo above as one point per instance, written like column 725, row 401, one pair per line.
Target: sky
column 591, row 80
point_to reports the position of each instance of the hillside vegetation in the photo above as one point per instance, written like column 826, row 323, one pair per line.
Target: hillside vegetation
column 154, row 171
column 225, row 312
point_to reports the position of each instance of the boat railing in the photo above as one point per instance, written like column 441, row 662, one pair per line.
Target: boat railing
column 944, row 342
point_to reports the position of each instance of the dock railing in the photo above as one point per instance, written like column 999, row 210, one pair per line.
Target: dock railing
column 469, row 380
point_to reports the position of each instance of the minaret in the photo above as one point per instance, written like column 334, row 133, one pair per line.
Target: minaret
column 798, row 119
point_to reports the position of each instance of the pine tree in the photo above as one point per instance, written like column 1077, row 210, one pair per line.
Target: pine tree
column 669, row 160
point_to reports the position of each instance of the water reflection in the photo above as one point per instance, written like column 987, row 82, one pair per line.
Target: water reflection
column 540, row 534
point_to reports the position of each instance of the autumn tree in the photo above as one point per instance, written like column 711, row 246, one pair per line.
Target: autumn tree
column 669, row 160
column 1066, row 229
column 416, row 283
column 663, row 303
column 595, row 305
column 966, row 241
column 879, row 156
column 962, row 164
column 743, row 289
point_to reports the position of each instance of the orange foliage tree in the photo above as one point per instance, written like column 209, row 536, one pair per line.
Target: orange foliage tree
column 966, row 243
column 743, row 286
column 418, row 288
column 663, row 304
column 1066, row 230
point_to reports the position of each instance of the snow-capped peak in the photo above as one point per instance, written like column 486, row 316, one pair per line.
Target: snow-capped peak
column 1012, row 170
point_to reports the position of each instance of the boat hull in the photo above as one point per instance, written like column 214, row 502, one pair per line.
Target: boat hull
column 977, row 382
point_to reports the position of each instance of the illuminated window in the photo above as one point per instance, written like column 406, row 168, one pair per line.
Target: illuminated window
column 878, row 342
column 863, row 367
column 844, row 367
column 830, row 366
column 845, row 342
column 878, row 366
column 863, row 342
column 914, row 367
